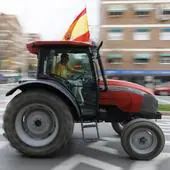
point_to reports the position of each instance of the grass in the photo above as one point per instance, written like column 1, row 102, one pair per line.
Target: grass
column 164, row 107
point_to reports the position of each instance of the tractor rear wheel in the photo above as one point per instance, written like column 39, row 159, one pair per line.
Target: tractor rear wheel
column 118, row 126
column 38, row 123
column 142, row 139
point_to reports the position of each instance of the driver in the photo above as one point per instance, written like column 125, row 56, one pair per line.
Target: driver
column 62, row 68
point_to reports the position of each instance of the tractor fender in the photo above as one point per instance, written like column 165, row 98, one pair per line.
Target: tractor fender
column 51, row 86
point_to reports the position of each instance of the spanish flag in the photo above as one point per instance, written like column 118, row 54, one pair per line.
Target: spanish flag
column 78, row 30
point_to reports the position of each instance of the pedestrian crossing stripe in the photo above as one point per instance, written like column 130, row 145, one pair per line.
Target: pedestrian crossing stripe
column 3, row 144
column 78, row 159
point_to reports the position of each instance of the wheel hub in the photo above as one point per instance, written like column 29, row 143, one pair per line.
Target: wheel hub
column 36, row 125
column 143, row 140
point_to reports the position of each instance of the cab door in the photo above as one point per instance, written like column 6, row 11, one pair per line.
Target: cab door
column 84, row 84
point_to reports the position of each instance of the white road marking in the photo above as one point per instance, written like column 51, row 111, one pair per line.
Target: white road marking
column 152, row 164
column 100, row 145
column 162, row 101
column 3, row 144
column 74, row 161
column 1, row 131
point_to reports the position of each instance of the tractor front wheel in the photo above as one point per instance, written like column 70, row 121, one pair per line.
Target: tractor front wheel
column 142, row 139
column 38, row 123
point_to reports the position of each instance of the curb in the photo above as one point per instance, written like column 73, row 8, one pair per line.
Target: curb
column 167, row 113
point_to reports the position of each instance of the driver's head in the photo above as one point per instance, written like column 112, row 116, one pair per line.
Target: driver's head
column 64, row 58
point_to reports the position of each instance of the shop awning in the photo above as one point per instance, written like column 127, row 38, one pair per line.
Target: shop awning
column 165, row 29
column 114, row 56
column 116, row 30
column 143, row 29
column 165, row 55
column 138, row 72
column 116, row 8
column 143, row 7
column 142, row 56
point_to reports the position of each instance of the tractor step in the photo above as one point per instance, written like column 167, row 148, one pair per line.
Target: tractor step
column 89, row 125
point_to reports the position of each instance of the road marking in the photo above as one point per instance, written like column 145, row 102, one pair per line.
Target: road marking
column 152, row 164
column 2, row 109
column 162, row 101
column 74, row 161
column 100, row 145
column 166, row 130
column 1, row 131
column 3, row 144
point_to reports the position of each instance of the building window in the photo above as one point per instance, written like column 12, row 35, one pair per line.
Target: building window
column 142, row 13
column 142, row 9
column 141, row 58
column 115, row 34
column 163, row 12
column 141, row 34
column 116, row 10
column 114, row 58
column 165, row 58
column 165, row 34
column 166, row 12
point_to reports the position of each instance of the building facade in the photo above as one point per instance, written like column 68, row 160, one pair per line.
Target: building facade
column 136, row 37
column 31, row 58
column 11, row 43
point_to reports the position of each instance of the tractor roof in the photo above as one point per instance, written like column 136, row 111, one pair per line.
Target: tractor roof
column 34, row 46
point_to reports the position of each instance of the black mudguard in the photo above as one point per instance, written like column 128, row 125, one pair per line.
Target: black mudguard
column 50, row 85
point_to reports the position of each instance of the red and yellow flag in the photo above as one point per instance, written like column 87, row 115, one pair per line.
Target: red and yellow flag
column 78, row 30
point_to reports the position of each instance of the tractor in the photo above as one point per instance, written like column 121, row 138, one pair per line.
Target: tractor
column 71, row 87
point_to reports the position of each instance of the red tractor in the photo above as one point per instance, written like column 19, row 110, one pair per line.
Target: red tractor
column 40, row 119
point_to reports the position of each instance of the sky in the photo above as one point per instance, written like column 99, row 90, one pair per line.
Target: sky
column 50, row 18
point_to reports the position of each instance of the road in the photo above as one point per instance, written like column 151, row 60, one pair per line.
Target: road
column 106, row 154
column 163, row 99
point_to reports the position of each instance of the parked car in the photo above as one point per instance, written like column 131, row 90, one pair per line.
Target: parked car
column 162, row 89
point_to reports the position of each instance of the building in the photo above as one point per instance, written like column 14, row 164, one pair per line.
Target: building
column 31, row 58
column 136, row 36
column 11, row 43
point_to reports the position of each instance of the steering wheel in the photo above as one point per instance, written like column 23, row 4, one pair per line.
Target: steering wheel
column 77, row 76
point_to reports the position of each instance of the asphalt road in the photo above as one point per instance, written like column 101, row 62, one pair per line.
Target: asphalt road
column 105, row 154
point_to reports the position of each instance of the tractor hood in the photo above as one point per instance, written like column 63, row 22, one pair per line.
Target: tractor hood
column 127, row 85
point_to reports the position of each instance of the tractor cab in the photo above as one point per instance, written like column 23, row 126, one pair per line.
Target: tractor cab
column 73, row 65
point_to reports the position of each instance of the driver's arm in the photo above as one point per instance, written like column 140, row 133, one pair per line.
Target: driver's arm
column 73, row 70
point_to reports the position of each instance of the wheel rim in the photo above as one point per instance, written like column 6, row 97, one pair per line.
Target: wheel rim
column 143, row 141
column 36, row 125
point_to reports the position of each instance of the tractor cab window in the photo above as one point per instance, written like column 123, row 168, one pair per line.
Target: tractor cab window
column 72, row 69
column 67, row 65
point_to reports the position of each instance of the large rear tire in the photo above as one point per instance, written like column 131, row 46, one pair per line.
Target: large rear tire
column 142, row 139
column 38, row 123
